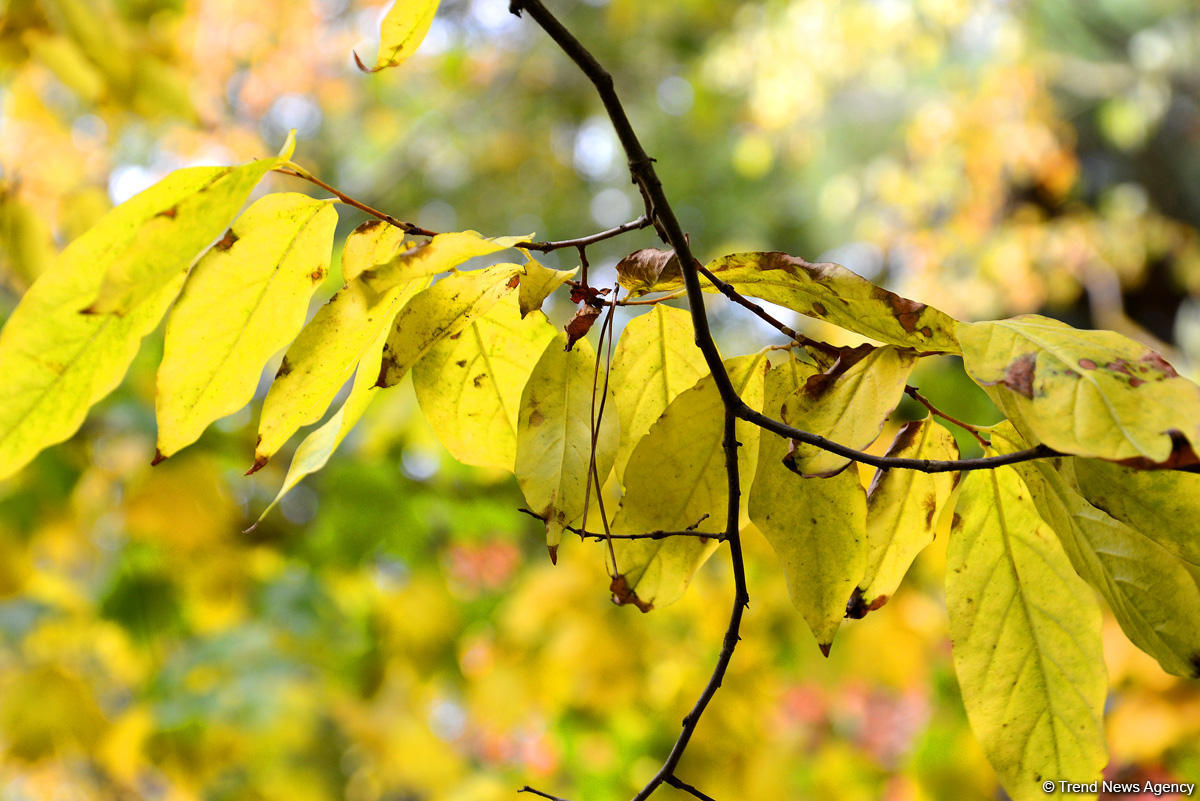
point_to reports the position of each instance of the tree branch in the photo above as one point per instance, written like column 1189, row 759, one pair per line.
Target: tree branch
column 680, row 784
column 600, row 536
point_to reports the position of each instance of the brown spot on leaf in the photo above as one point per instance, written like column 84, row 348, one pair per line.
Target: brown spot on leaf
column 1136, row 382
column 581, row 323
column 159, row 457
column 226, row 242
column 1154, row 361
column 455, row 335
column 856, row 607
column 820, row 309
column 906, row 311
column 1195, row 661
column 536, row 418
column 878, row 602
column 1087, row 364
column 930, row 504
column 260, row 462
column 1019, row 375
column 461, row 363
column 168, row 213
column 387, row 366
column 820, row 383
column 553, row 549
column 623, row 594
column 285, row 367
column 317, row 275
column 956, row 521
column 369, row 225
column 478, row 380
column 514, row 282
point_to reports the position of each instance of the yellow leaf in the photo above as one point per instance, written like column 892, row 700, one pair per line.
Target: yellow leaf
column 244, row 301
column 538, row 282
column 370, row 245
column 1153, row 594
column 1026, row 635
column 554, row 434
column 903, row 508
column 436, row 256
column 443, row 310
column 469, row 387
column 817, row 526
column 145, row 243
column 656, row 359
column 1088, row 393
column 848, row 403
column 57, row 362
column 831, row 292
column 315, row 449
column 402, row 32
column 676, row 479
column 323, row 356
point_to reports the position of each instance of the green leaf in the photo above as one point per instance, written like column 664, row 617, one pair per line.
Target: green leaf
column 371, row 245
column 848, row 403
column 443, row 310
column 57, row 362
column 831, row 292
column 324, row 355
column 817, row 526
column 554, row 435
column 315, row 449
column 402, row 32
column 1089, row 393
column 437, row 255
column 903, row 508
column 145, row 243
column 470, row 386
column 676, row 479
column 538, row 282
column 1163, row 505
column 1026, row 635
column 655, row 360
column 246, row 299
column 1153, row 594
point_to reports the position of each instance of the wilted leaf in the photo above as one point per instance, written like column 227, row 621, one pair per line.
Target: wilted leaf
column 538, row 282
column 903, row 508
column 1088, row 393
column 145, row 243
column 440, row 311
column 676, row 477
column 642, row 270
column 244, row 301
column 470, row 386
column 833, row 293
column 817, row 526
column 402, row 32
column 554, row 435
column 847, row 403
column 1026, row 634
column 655, row 360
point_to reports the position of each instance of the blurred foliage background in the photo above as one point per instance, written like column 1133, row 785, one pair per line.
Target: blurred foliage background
column 395, row 631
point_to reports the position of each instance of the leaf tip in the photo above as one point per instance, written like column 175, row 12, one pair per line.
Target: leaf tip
column 358, row 62
column 260, row 462
column 825, row 646
column 159, row 457
column 553, row 549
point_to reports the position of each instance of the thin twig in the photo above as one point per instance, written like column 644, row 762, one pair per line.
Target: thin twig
column 921, row 399
column 680, row 784
column 416, row 230
column 649, row 535
column 595, row 418
column 530, row 790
